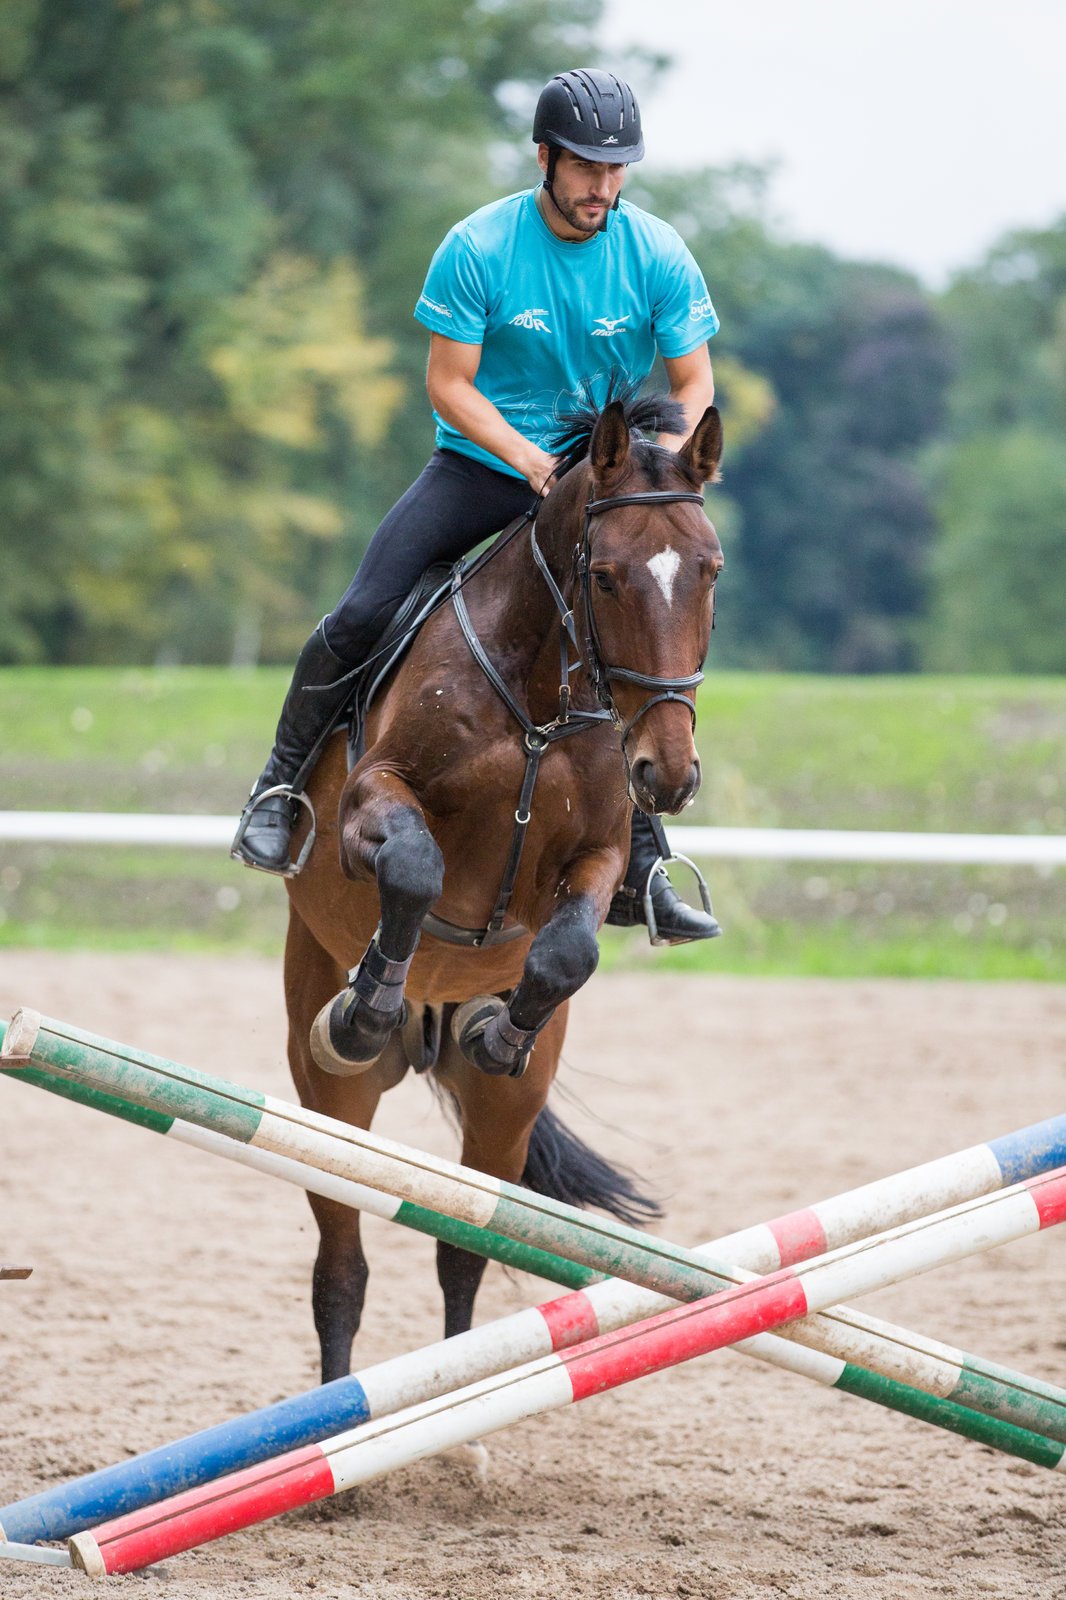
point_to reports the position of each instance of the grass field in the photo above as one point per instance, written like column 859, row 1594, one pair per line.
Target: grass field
column 910, row 753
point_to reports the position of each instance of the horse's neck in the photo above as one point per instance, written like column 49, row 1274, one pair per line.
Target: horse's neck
column 516, row 613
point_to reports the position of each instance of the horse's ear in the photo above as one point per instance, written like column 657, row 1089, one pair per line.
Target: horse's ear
column 609, row 447
column 701, row 454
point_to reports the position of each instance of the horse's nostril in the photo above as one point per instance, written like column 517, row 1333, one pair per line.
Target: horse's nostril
column 644, row 774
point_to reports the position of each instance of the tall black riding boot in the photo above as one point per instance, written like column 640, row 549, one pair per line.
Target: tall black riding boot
column 671, row 920
column 262, row 839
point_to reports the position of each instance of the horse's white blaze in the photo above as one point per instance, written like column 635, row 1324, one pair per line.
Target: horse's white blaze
column 664, row 569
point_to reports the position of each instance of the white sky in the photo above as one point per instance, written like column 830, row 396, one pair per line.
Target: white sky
column 912, row 131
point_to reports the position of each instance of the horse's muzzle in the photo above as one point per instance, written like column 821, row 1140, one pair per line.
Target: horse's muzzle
column 658, row 792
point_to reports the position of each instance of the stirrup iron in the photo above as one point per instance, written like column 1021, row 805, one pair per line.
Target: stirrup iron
column 648, row 899
column 250, row 808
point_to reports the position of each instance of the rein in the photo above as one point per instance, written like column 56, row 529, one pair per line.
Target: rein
column 537, row 739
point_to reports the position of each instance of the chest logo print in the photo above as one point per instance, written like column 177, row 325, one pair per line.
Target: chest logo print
column 531, row 319
column 606, row 326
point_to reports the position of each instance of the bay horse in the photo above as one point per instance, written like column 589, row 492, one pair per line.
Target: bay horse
column 471, row 779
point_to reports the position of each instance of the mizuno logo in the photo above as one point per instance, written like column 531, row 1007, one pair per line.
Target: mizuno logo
column 434, row 305
column 606, row 326
column 531, row 319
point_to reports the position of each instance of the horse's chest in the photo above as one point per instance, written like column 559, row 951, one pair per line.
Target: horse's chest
column 486, row 783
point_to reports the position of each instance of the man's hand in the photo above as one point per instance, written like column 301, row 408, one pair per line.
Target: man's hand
column 538, row 468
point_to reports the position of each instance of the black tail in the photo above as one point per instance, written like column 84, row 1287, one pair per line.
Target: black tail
column 563, row 1167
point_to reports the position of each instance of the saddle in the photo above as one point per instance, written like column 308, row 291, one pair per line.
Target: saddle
column 390, row 650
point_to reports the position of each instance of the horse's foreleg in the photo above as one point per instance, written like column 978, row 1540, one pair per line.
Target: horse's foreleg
column 498, row 1118
column 338, row 1286
column 459, row 1273
column 384, row 832
column 340, row 1274
column 498, row 1038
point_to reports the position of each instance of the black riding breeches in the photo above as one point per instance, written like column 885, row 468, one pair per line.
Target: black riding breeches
column 452, row 506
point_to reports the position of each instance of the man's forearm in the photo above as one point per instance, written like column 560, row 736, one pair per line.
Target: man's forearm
column 466, row 409
column 694, row 398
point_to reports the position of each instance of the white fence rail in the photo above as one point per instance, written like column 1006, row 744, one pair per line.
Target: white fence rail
column 752, row 844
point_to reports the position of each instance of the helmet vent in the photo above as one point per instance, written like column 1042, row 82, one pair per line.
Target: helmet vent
column 574, row 106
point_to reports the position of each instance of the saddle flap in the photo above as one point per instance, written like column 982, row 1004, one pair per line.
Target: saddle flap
column 399, row 636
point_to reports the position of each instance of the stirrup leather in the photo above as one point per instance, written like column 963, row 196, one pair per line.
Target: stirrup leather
column 248, row 813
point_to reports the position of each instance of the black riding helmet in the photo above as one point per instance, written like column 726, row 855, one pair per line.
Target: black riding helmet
column 592, row 113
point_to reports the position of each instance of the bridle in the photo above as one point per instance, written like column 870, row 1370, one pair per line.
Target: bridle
column 601, row 672
column 538, row 738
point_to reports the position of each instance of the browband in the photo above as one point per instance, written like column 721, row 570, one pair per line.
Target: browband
column 650, row 497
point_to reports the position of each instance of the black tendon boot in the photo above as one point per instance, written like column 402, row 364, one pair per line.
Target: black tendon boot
column 262, row 839
column 648, row 896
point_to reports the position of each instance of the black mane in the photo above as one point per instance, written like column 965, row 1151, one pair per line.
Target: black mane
column 653, row 413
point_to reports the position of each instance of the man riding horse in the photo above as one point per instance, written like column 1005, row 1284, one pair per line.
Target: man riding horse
column 532, row 303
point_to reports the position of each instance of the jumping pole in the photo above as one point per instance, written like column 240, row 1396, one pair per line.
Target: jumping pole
column 741, row 1312
column 252, row 1118
column 946, row 1373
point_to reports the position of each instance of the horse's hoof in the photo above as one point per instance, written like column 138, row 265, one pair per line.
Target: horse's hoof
column 476, row 1029
column 347, row 1047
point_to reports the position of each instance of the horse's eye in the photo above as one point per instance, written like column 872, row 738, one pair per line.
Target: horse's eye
column 603, row 582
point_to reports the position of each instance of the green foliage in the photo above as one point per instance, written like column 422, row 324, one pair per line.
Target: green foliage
column 999, row 570
column 831, row 520
column 1008, row 320
column 215, row 217
column 65, row 295
column 211, row 214
column 1000, row 567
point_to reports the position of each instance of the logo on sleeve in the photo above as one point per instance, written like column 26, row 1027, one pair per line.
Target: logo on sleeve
column 434, row 305
column 699, row 309
column 606, row 327
column 531, row 319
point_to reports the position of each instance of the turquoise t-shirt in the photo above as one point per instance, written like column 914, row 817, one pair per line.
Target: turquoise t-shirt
column 552, row 316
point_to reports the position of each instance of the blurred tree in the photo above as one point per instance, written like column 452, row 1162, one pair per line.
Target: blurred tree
column 999, row 572
column 67, row 291
column 831, row 522
column 1008, row 319
column 1000, row 567
column 231, row 503
column 199, row 431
